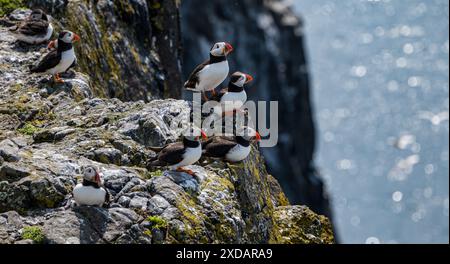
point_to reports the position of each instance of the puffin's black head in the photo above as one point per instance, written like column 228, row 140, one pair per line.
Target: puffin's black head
column 191, row 136
column 68, row 37
column 221, row 49
column 38, row 14
column 239, row 79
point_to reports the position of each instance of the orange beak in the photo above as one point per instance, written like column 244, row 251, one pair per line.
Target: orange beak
column 75, row 38
column 228, row 48
column 249, row 78
column 204, row 136
column 51, row 45
column 257, row 137
column 97, row 178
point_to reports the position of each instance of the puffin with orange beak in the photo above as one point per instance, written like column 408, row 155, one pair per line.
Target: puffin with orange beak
column 232, row 150
column 59, row 60
column 90, row 191
column 180, row 154
column 53, row 45
column 211, row 73
column 234, row 94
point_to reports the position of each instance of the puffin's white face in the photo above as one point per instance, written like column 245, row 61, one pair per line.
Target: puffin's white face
column 249, row 134
column 194, row 133
column 90, row 174
column 221, row 49
column 69, row 37
column 239, row 79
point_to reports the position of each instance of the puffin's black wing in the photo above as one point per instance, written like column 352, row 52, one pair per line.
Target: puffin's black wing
column 49, row 61
column 219, row 147
column 172, row 154
column 33, row 27
column 193, row 78
column 107, row 198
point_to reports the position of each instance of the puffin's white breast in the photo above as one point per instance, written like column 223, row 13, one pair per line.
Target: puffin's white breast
column 238, row 153
column 191, row 156
column 67, row 58
column 236, row 100
column 212, row 75
column 88, row 195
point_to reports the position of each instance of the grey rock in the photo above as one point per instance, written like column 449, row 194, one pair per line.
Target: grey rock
column 188, row 182
column 12, row 172
column 139, row 202
column 124, row 201
column 24, row 242
column 53, row 134
column 9, row 150
column 44, row 194
column 14, row 197
column 108, row 156
column 157, row 204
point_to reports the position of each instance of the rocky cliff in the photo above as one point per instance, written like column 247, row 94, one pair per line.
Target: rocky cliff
column 268, row 41
column 48, row 132
column 130, row 48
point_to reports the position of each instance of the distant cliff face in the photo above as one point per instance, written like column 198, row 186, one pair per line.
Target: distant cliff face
column 131, row 49
column 268, row 41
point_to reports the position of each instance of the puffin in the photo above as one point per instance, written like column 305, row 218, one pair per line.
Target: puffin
column 211, row 73
column 179, row 154
column 90, row 191
column 231, row 149
column 234, row 94
column 36, row 29
column 53, row 45
column 59, row 60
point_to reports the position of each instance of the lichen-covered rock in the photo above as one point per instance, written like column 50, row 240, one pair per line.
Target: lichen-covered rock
column 129, row 48
column 54, row 134
column 299, row 225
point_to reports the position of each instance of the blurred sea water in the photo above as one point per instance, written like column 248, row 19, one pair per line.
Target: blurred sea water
column 380, row 81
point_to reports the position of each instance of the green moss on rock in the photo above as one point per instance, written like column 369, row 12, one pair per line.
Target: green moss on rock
column 28, row 129
column 157, row 222
column 34, row 233
column 7, row 6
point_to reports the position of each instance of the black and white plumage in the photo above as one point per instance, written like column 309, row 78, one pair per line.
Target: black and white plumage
column 59, row 60
column 53, row 45
column 234, row 96
column 90, row 191
column 211, row 73
column 231, row 149
column 179, row 154
column 36, row 29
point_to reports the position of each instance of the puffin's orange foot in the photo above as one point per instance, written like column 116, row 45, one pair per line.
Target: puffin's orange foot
column 58, row 79
column 190, row 172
